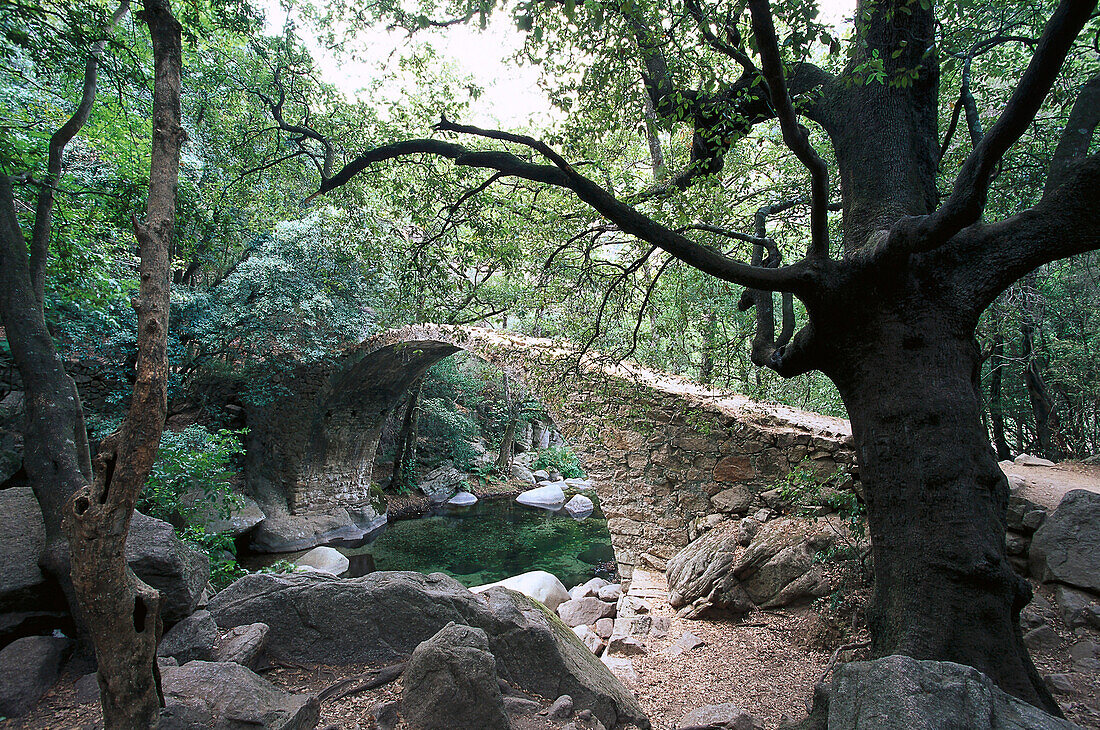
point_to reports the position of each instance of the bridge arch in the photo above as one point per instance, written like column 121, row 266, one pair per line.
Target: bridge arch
column 662, row 452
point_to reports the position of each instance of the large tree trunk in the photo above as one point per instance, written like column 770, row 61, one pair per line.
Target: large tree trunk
column 122, row 612
column 936, row 501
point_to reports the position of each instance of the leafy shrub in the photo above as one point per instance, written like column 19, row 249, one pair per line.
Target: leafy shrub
column 560, row 459
column 192, row 464
column 195, row 468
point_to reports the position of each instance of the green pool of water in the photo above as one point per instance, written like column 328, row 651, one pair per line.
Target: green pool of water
column 490, row 541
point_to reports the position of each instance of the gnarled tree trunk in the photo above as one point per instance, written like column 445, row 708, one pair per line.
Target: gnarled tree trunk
column 122, row 612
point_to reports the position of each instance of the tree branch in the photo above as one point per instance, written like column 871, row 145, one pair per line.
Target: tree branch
column 796, row 137
column 967, row 201
column 43, row 216
column 800, row 277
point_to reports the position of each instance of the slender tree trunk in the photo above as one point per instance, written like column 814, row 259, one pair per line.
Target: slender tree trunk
column 937, row 505
column 706, row 365
column 507, row 442
column 122, row 612
column 996, row 399
column 1042, row 405
column 406, row 440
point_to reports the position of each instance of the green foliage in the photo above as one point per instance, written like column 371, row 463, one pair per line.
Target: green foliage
column 222, row 552
column 193, row 473
column 805, row 489
column 560, row 459
column 279, row 567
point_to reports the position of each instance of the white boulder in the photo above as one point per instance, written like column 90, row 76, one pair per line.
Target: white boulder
column 579, row 506
column 538, row 584
column 462, row 499
column 549, row 497
column 324, row 560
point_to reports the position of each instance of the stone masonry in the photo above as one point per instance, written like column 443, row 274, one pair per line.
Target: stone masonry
column 662, row 451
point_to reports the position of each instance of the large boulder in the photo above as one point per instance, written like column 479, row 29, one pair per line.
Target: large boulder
column 900, row 693
column 28, row 668
column 192, row 638
column 537, row 584
column 289, row 533
column 383, row 616
column 166, row 563
column 1066, row 547
column 550, row 497
column 325, row 560
column 228, row 696
column 440, row 483
column 776, row 569
column 451, row 681
column 22, row 541
column 720, row 717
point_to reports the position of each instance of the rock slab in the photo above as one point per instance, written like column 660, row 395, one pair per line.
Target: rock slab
column 190, row 639
column 227, row 696
column 22, row 541
column 901, row 693
column 166, row 563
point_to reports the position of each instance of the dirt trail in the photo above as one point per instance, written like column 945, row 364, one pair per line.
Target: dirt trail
column 1046, row 485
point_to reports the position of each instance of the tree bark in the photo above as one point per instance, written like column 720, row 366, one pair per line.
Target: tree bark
column 936, row 499
column 507, row 441
column 122, row 612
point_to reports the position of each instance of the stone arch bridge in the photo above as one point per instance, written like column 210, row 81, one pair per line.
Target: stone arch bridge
column 662, row 452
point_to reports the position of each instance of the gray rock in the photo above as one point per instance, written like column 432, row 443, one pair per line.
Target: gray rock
column 1061, row 684
column 243, row 644
column 392, row 612
column 725, row 717
column 1066, row 547
column 610, row 593
column 325, row 560
column 776, row 569
column 736, row 500
column 1042, row 639
column 168, row 564
column 192, row 638
column 1076, row 607
column 28, row 668
column 1084, row 649
column 746, row 531
column 22, row 541
column 522, row 473
column 227, row 696
column 87, row 689
column 1021, row 509
column 521, row 706
column 579, row 506
column 541, row 475
column 550, row 497
column 451, row 682
column 289, row 533
column 900, row 693
column 441, row 483
column 604, row 627
column 462, row 499
column 584, row 611
column 589, row 638
column 562, row 709
column 1029, row 460
column 540, row 585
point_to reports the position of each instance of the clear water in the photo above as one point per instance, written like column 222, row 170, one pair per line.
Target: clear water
column 492, row 540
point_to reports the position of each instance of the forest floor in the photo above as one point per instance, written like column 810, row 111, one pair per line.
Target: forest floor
column 1046, row 485
column 767, row 664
